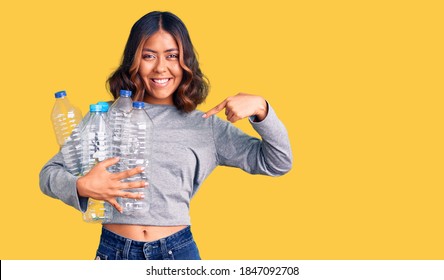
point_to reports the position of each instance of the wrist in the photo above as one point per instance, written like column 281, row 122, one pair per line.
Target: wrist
column 80, row 187
column 262, row 112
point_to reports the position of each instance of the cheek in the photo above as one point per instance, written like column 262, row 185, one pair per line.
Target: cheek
column 177, row 70
column 144, row 69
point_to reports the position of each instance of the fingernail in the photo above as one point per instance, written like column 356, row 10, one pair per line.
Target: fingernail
column 142, row 168
column 204, row 115
column 146, row 184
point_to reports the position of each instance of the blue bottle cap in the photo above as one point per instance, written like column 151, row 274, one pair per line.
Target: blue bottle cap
column 138, row 105
column 125, row 93
column 60, row 94
column 105, row 106
column 95, row 108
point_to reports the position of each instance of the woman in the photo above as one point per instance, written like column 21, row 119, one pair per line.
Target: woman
column 160, row 67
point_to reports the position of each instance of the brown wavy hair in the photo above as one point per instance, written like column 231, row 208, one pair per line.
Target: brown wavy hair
column 194, row 87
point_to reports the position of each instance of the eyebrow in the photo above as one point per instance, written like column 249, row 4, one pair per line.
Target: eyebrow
column 153, row 51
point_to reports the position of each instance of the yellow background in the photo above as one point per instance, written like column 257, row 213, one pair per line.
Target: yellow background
column 358, row 84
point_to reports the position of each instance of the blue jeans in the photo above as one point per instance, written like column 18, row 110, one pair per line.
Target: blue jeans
column 178, row 246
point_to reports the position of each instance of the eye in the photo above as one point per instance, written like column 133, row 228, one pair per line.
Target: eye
column 148, row 56
column 173, row 56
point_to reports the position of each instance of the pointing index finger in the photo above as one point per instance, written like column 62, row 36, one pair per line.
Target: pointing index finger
column 215, row 110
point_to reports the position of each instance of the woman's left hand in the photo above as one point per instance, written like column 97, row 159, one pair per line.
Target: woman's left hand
column 241, row 106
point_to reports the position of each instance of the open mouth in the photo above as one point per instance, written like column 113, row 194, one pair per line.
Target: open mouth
column 161, row 81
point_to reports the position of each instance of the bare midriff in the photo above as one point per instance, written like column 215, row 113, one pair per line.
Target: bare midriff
column 143, row 233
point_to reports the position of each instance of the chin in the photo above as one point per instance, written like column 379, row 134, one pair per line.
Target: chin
column 160, row 100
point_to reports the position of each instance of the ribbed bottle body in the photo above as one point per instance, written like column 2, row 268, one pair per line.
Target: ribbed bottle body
column 135, row 151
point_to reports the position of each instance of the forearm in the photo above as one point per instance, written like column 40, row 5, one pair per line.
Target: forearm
column 58, row 183
column 270, row 155
column 274, row 151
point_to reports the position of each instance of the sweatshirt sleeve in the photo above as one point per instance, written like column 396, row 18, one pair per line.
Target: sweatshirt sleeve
column 57, row 182
column 270, row 155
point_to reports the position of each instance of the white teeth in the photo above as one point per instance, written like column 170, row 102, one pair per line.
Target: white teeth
column 160, row 81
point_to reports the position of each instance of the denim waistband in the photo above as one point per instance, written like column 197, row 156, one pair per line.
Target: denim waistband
column 161, row 246
column 179, row 245
column 115, row 239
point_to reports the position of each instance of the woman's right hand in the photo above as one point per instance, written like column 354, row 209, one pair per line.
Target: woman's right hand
column 100, row 184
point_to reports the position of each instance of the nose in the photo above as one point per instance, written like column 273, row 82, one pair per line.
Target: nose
column 161, row 65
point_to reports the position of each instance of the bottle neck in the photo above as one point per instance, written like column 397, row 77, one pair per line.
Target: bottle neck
column 99, row 113
column 64, row 101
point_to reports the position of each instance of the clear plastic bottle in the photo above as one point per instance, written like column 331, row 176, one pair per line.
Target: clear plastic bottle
column 119, row 111
column 136, row 151
column 65, row 117
column 118, row 116
column 96, row 147
column 105, row 107
column 72, row 150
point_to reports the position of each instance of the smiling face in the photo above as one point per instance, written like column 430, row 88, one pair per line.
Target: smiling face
column 160, row 69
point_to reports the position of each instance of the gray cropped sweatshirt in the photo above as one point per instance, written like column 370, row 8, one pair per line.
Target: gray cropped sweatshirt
column 185, row 149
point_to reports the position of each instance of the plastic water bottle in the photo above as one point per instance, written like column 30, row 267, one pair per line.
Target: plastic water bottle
column 118, row 116
column 105, row 107
column 65, row 117
column 96, row 147
column 72, row 149
column 136, row 151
